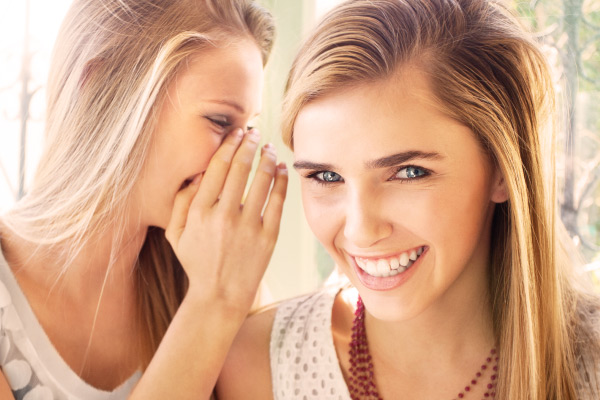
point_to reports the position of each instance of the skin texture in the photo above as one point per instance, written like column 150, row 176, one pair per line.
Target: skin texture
column 192, row 185
column 435, row 326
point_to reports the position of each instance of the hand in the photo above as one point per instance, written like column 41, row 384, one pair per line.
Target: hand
column 224, row 246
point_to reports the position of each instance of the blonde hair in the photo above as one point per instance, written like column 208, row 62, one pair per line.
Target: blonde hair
column 111, row 65
column 489, row 74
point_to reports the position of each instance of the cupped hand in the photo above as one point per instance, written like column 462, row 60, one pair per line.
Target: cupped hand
column 225, row 246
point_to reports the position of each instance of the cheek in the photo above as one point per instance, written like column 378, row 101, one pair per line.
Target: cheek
column 323, row 216
column 201, row 151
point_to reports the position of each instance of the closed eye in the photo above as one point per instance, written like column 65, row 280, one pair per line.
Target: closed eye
column 221, row 122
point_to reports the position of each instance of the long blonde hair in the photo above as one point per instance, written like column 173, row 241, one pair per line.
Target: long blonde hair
column 490, row 75
column 112, row 62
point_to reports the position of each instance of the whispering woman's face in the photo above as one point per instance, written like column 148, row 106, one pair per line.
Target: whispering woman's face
column 217, row 91
column 400, row 194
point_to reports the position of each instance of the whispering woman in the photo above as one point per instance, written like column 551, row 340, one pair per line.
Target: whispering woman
column 418, row 129
column 124, row 271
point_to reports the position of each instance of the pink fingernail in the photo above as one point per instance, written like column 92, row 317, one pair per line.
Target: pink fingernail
column 269, row 147
column 197, row 179
column 282, row 167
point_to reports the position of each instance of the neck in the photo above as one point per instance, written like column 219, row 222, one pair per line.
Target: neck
column 102, row 264
column 455, row 329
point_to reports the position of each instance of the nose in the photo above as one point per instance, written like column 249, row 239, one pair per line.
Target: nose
column 366, row 222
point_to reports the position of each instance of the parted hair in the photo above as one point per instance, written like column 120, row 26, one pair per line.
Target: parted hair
column 111, row 65
column 489, row 74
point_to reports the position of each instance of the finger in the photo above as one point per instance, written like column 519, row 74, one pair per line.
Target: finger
column 214, row 176
column 257, row 195
column 181, row 208
column 274, row 208
column 236, row 180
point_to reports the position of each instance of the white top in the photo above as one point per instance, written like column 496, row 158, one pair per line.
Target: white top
column 304, row 364
column 32, row 366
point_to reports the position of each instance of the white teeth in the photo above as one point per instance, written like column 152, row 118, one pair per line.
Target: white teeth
column 389, row 267
column 404, row 259
column 413, row 255
column 371, row 268
column 382, row 266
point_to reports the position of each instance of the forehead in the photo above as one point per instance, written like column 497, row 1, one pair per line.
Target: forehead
column 227, row 70
column 353, row 126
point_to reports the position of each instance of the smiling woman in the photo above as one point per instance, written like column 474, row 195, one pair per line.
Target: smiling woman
column 417, row 129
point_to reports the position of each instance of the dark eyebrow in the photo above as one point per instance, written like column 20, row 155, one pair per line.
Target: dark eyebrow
column 401, row 158
column 384, row 162
column 312, row 165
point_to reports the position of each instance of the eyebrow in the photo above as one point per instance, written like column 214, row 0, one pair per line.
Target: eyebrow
column 383, row 162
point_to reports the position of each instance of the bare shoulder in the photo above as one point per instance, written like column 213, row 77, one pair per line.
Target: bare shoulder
column 247, row 372
column 5, row 392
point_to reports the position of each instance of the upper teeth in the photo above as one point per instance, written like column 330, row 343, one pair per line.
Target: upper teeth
column 384, row 267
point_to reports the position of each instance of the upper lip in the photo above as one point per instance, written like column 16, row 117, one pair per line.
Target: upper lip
column 387, row 255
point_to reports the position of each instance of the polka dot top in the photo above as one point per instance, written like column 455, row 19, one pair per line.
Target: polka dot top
column 31, row 365
column 304, row 364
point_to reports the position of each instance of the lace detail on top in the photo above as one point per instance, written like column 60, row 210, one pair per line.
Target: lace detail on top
column 33, row 368
column 304, row 364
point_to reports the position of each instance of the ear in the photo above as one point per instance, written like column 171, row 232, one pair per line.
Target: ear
column 499, row 192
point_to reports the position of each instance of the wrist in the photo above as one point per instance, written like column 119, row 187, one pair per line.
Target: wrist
column 216, row 303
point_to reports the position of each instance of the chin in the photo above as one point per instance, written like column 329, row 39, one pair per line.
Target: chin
column 389, row 308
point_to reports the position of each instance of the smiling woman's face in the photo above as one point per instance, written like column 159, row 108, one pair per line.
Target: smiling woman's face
column 217, row 91
column 400, row 195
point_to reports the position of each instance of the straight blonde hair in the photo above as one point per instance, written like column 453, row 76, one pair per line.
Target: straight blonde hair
column 112, row 62
column 488, row 74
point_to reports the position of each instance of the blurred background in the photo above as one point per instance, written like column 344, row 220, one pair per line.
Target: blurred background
column 568, row 29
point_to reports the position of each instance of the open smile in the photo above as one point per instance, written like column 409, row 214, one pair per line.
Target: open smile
column 387, row 273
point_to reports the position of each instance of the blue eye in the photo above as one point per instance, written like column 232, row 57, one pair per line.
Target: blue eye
column 325, row 177
column 411, row 173
column 328, row 176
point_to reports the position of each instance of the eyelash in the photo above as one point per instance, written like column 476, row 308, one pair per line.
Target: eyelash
column 426, row 173
column 225, row 124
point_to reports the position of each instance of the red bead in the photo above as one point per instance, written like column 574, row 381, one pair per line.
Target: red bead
column 362, row 381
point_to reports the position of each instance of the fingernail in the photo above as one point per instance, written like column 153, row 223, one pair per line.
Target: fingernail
column 238, row 133
column 254, row 134
column 197, row 179
column 282, row 167
column 270, row 148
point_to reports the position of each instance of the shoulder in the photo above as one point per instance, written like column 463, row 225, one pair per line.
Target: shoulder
column 264, row 339
column 246, row 373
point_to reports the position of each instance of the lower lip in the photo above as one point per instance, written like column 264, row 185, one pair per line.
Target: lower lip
column 390, row 282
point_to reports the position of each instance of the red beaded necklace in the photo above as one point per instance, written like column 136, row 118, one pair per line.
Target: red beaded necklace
column 361, row 383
